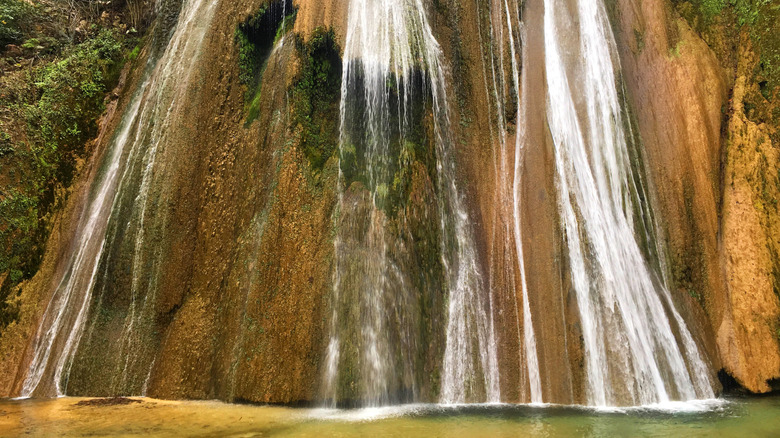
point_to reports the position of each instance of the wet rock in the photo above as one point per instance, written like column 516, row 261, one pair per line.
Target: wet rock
column 112, row 401
column 13, row 51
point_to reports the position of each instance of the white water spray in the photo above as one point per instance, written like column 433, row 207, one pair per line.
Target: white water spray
column 632, row 355
column 64, row 320
column 388, row 42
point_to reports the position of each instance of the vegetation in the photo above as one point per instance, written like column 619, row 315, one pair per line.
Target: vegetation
column 255, row 40
column 745, row 11
column 316, row 95
column 17, row 19
column 52, row 91
column 721, row 22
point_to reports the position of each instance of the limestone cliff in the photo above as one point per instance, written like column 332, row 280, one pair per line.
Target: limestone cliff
column 715, row 174
column 237, row 256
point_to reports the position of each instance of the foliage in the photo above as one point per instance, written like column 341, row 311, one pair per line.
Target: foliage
column 746, row 11
column 20, row 214
column 72, row 92
column 17, row 18
column 247, row 63
column 52, row 111
column 133, row 55
column 711, row 8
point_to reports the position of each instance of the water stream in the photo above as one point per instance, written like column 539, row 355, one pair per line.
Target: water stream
column 391, row 57
column 508, row 32
column 637, row 347
column 142, row 130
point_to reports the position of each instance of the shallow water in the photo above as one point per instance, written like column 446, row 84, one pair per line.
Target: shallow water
column 756, row 417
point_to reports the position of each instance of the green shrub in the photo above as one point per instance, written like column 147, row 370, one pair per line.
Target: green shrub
column 247, row 63
column 19, row 222
column 17, row 18
column 711, row 8
column 60, row 101
column 72, row 92
column 747, row 11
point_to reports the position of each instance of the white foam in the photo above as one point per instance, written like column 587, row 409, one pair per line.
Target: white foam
column 387, row 412
column 368, row 414
column 683, row 406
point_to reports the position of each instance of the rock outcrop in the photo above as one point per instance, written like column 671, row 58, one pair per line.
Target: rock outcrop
column 241, row 241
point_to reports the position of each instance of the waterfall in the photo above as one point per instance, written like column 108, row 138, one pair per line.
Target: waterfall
column 411, row 317
column 637, row 349
column 529, row 338
column 133, row 147
column 392, row 63
column 506, row 30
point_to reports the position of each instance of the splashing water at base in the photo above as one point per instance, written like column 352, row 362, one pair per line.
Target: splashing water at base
column 389, row 45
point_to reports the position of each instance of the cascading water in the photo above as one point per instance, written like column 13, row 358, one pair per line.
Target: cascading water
column 133, row 150
column 387, row 342
column 508, row 31
column 389, row 57
column 637, row 347
column 529, row 338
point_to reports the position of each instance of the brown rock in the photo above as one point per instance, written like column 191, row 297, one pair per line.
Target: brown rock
column 13, row 51
column 748, row 336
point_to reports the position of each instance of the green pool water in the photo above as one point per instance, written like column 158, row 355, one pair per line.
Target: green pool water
column 76, row 417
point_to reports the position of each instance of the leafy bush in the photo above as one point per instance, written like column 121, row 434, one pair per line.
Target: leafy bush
column 745, row 11
column 72, row 92
column 17, row 18
column 19, row 222
column 60, row 102
column 711, row 8
column 247, row 59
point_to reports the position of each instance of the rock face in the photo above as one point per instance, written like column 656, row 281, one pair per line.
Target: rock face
column 326, row 14
column 241, row 242
column 715, row 175
column 665, row 66
column 748, row 334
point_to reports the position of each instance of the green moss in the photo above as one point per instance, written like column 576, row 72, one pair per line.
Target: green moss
column 255, row 40
column 316, row 94
column 688, row 264
column 133, row 55
column 674, row 52
column 639, row 37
